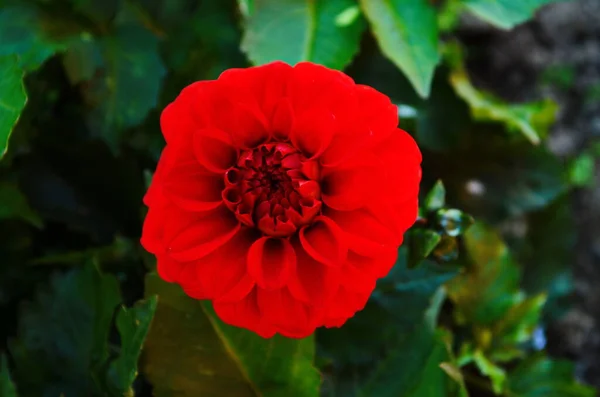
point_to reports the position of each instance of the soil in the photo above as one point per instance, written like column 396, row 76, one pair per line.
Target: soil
column 557, row 55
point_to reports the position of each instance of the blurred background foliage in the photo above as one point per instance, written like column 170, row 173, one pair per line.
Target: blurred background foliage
column 464, row 311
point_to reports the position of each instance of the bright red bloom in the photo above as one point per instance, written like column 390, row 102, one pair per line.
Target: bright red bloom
column 282, row 195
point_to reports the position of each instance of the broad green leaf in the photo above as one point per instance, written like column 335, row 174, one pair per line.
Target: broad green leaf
column 22, row 32
column 301, row 30
column 7, row 387
column 419, row 344
column 505, row 14
column 13, row 204
column 407, row 33
column 489, row 286
column 417, row 285
column 12, row 98
column 348, row 16
column 539, row 376
column 130, row 88
column 436, row 198
column 413, row 369
column 62, row 340
column 207, row 357
column 531, row 119
column 133, row 325
column 82, row 59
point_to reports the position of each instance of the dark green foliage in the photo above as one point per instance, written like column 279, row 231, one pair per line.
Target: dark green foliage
column 82, row 85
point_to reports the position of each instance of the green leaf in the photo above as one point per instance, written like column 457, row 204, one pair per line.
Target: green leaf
column 348, row 16
column 246, row 7
column 421, row 243
column 131, row 85
column 396, row 326
column 539, row 376
column 518, row 323
column 13, row 204
column 443, row 118
column 413, row 369
column 62, row 341
column 532, row 119
column 417, row 285
column 207, row 357
column 546, row 252
column 582, row 171
column 411, row 366
column 452, row 367
column 133, row 325
column 82, row 59
column 505, row 14
column 489, row 286
column 496, row 374
column 407, row 33
column 12, row 98
column 100, row 11
column 22, row 32
column 301, row 30
column 436, row 198
column 7, row 387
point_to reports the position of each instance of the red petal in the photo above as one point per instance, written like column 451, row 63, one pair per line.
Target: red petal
column 168, row 269
column 315, row 86
column 374, row 120
column 351, row 185
column 265, row 84
column 360, row 272
column 364, row 234
column 312, row 132
column 247, row 127
column 214, row 150
column 202, row 235
column 193, row 188
column 271, row 261
column 220, row 275
column 177, row 119
column 324, row 241
column 346, row 303
column 312, row 282
column 244, row 313
column 223, row 272
column 289, row 316
column 152, row 230
column 282, row 120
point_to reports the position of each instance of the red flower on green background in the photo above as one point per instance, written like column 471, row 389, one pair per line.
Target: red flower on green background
column 282, row 196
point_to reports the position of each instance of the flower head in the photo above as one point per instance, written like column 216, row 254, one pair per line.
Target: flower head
column 282, row 195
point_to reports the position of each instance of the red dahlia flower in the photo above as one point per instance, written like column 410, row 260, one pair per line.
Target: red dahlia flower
column 282, row 195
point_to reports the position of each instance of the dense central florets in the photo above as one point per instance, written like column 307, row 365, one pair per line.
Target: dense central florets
column 273, row 188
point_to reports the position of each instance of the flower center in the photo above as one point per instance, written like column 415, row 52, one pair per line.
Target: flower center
column 273, row 188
